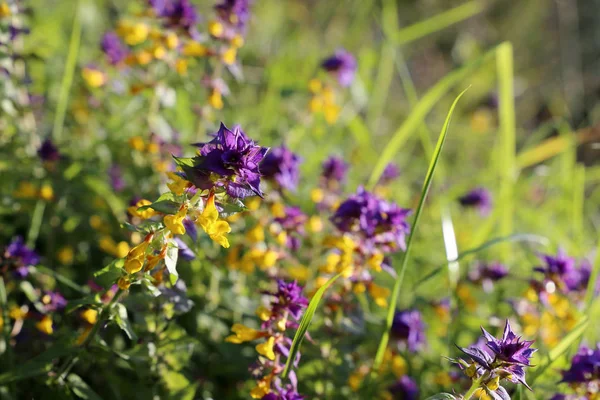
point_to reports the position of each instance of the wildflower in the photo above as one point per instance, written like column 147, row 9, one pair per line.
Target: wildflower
column 409, row 329
column 45, row 325
column 46, row 192
column 335, row 169
column 235, row 13
column 93, row 76
column 379, row 224
column 405, row 388
column 209, row 221
column 292, row 223
column 116, row 178
column 560, row 270
column 281, row 165
column 343, row 65
column 390, row 172
column 113, row 48
column 48, row 151
column 488, row 274
column 18, row 258
column 584, row 373
column 380, row 294
column 135, row 258
column 266, row 348
column 479, row 198
column 499, row 359
column 53, row 301
column 231, row 161
column 176, row 13
column 90, row 316
column 243, row 334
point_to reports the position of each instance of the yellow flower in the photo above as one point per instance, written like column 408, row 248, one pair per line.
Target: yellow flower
column 159, row 52
column 137, row 34
column 26, row 190
column 172, row 40
column 315, row 224
column 123, row 283
column 263, row 313
column 375, row 261
column 179, row 185
column 399, row 366
column 175, row 222
column 317, row 195
column 65, row 255
column 143, row 57
column 229, row 55
column 494, row 383
column 194, row 49
column 266, row 348
column 181, row 66
column 144, row 214
column 315, row 85
column 359, row 288
column 263, row 387
column 215, row 28
column 45, row 325
column 242, row 334
column 380, row 294
column 137, row 143
column 237, row 41
column 135, row 257
column 278, row 210
column 18, row 313
column 299, row 273
column 90, row 316
column 256, row 234
column 281, row 324
column 4, row 10
column 93, row 77
column 269, row 259
column 480, row 394
column 215, row 100
column 46, row 192
column 215, row 228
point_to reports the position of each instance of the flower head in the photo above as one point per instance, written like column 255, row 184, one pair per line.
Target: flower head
column 19, row 257
column 378, row 222
column 176, row 13
column 408, row 327
column 585, row 367
column 229, row 161
column 335, row 169
column 281, row 165
column 235, row 12
column 48, row 151
column 487, row 274
column 390, row 172
column 405, row 388
column 479, row 198
column 288, row 298
column 113, row 48
column 561, row 270
column 343, row 65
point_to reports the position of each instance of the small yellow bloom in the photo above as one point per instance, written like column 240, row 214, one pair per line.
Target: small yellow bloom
column 215, row 228
column 315, row 224
column 215, row 100
column 266, row 349
column 256, row 234
column 278, row 210
column 159, row 52
column 137, row 143
column 26, row 190
column 281, row 324
column 379, row 294
column 93, row 77
column 18, row 313
column 194, row 49
column 65, row 255
column 121, row 249
column 315, row 85
column 90, row 316
column 242, row 334
column 172, row 40
column 253, row 203
column 181, row 66
column 46, row 192
column 480, row 394
column 237, row 41
column 133, row 265
column 269, row 259
column 229, row 55
column 175, row 222
column 494, row 383
column 144, row 57
column 299, row 273
column 215, row 28
column 315, row 105
column 96, row 222
column 4, row 10
column 178, row 184
column 359, row 288
column 263, row 387
column 45, row 325
column 399, row 366
column 263, row 313
column 331, row 113
column 375, row 261
column 123, row 283
column 137, row 34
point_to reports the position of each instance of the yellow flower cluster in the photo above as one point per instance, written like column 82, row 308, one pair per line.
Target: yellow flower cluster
column 323, row 101
column 27, row 190
column 212, row 225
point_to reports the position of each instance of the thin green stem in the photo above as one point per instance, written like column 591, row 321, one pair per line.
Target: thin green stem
column 36, row 223
column 474, row 386
column 65, row 86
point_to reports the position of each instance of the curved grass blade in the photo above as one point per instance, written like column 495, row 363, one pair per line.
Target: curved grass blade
column 398, row 283
column 420, row 111
column 560, row 349
column 305, row 322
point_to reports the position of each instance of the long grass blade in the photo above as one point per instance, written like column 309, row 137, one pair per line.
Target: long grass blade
column 592, row 283
column 305, row 323
column 451, row 248
column 560, row 349
column 420, row 111
column 506, row 111
column 398, row 283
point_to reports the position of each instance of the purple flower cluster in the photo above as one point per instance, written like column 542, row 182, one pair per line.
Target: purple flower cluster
column 230, row 161
column 292, row 223
column 561, row 270
column 18, row 258
column 114, row 49
column 390, row 172
column 378, row 223
column 504, row 358
column 53, row 301
column 479, row 198
column 487, row 274
column 343, row 65
column 335, row 170
column 583, row 376
column 282, row 166
column 177, row 13
column 405, row 388
column 235, row 13
column 48, row 151
column 408, row 329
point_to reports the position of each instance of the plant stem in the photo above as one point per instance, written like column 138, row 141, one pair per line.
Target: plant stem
column 72, row 360
column 474, row 386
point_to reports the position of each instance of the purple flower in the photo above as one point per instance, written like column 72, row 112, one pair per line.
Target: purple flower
column 229, row 161
column 343, row 64
column 53, row 301
column 487, row 274
column 405, row 388
column 235, row 12
column 184, row 251
column 282, row 166
column 390, row 173
column 116, row 178
column 288, row 297
column 18, row 257
column 408, row 328
column 479, row 198
column 114, row 49
column 48, row 151
column 177, row 13
column 379, row 223
column 585, row 366
column 293, row 224
column 335, row 169
column 561, row 270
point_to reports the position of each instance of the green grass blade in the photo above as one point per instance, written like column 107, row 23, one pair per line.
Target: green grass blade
column 438, row 22
column 591, row 289
column 560, row 349
column 67, row 80
column 398, row 283
column 451, row 248
column 507, row 161
column 420, row 111
column 305, row 322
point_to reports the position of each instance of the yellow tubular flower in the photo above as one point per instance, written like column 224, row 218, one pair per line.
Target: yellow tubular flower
column 175, row 222
column 45, row 325
column 179, row 185
column 375, row 261
column 172, row 40
column 263, row 387
column 237, row 41
column 123, row 283
column 215, row 100
column 90, row 316
column 145, row 214
column 263, row 313
column 228, row 57
column 93, row 77
column 380, row 294
column 242, row 334
column 215, row 228
column 256, row 234
column 215, row 28
column 194, row 49
column 399, row 366
column 266, row 349
column 46, row 192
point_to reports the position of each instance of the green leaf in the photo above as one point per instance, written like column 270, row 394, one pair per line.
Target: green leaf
column 231, row 207
column 108, row 275
column 163, row 206
column 184, row 162
column 442, row 396
column 120, row 316
column 92, row 299
column 150, row 286
column 398, row 283
column 81, row 389
column 560, row 349
column 171, row 263
column 305, row 323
